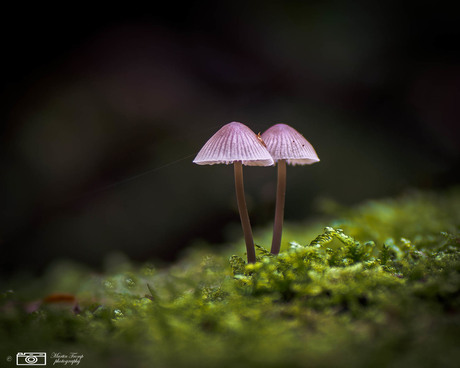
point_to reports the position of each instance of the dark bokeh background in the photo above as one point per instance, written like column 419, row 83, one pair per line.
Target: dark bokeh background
column 93, row 97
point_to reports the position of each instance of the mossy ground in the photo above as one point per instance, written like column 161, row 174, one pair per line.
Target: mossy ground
column 379, row 287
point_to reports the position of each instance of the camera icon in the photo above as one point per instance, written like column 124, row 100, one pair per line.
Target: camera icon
column 31, row 359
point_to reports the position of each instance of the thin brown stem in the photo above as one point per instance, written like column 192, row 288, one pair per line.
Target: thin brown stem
column 245, row 223
column 279, row 209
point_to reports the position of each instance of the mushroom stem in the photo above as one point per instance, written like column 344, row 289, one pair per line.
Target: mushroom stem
column 245, row 223
column 279, row 209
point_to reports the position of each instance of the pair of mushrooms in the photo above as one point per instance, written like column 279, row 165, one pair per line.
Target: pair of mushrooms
column 236, row 144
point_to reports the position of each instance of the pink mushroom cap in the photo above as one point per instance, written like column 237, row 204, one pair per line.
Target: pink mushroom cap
column 285, row 143
column 234, row 142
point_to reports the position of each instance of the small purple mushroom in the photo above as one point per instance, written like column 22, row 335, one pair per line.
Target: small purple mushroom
column 286, row 145
column 236, row 144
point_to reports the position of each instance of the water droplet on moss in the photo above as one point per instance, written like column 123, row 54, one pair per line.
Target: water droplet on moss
column 130, row 283
column 118, row 313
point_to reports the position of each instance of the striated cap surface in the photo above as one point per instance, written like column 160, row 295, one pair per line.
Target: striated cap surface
column 285, row 143
column 234, row 142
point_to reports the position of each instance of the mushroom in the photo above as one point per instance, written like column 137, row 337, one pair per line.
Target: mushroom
column 236, row 144
column 286, row 145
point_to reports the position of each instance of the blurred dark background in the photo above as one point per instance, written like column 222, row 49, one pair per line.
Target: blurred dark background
column 93, row 97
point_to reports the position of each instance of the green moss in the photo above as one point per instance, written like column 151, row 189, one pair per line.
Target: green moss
column 379, row 287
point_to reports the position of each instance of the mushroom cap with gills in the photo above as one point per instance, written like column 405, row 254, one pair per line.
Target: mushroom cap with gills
column 234, row 142
column 285, row 143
